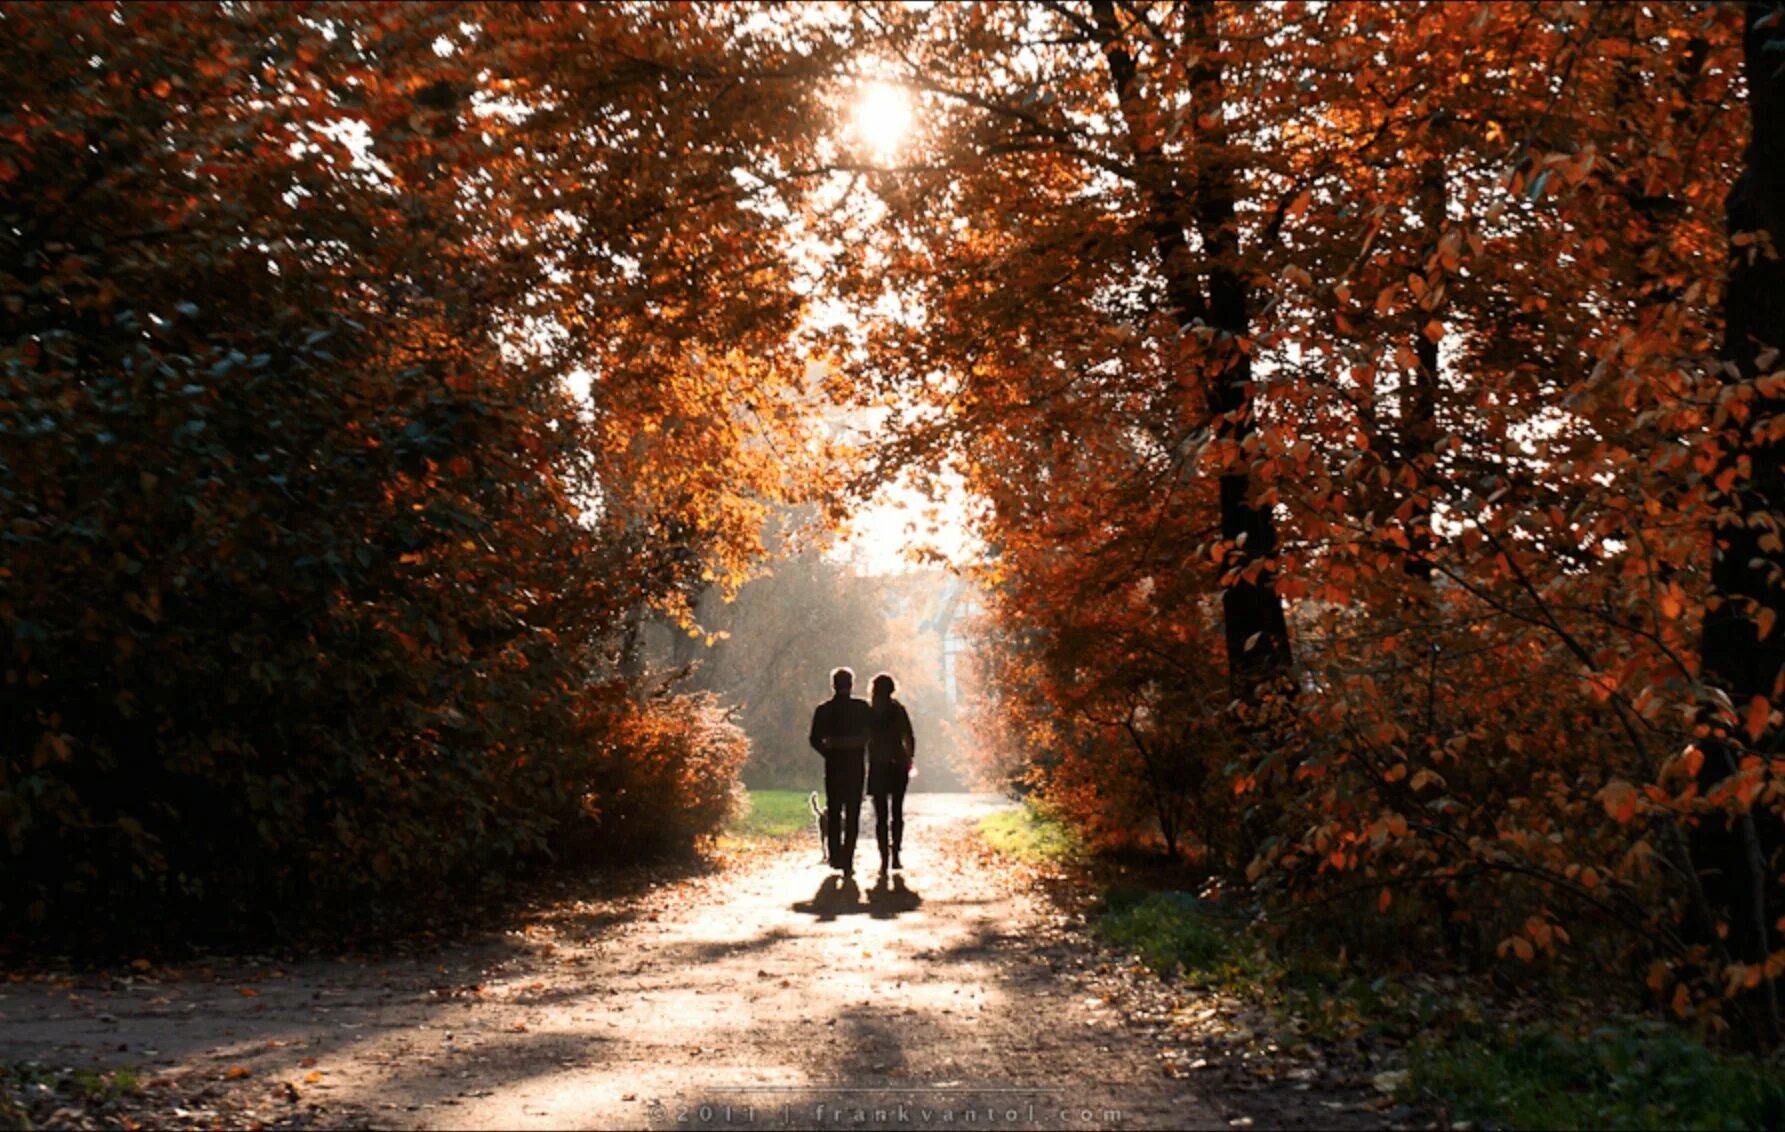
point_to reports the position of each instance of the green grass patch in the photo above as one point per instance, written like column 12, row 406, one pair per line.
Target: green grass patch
column 53, row 1088
column 1638, row 1075
column 95, row 1085
column 772, row 813
column 1179, row 934
column 1030, row 833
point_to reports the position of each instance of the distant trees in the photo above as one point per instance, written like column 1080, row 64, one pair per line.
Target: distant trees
column 767, row 652
column 781, row 638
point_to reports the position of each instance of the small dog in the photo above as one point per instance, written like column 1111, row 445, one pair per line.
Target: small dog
column 820, row 823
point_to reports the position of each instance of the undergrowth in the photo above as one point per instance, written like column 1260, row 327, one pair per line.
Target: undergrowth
column 1581, row 1068
column 1625, row 1074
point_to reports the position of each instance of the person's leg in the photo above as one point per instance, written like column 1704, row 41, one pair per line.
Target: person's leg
column 897, row 800
column 836, row 789
column 852, row 812
column 881, row 812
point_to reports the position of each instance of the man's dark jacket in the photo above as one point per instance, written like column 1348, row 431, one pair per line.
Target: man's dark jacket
column 840, row 727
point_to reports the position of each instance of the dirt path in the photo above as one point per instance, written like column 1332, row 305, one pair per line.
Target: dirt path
column 761, row 996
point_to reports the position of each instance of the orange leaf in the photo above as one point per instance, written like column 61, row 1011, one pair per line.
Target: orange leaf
column 1619, row 799
column 237, row 1072
column 1760, row 709
column 1385, row 900
column 1682, row 1001
column 1694, row 761
column 1518, row 945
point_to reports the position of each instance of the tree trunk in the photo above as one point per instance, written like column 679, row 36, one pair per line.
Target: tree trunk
column 1739, row 857
column 1256, row 631
column 1419, row 401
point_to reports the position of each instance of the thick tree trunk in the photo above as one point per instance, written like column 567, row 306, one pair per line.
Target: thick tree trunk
column 1255, row 628
column 1257, row 632
column 1739, row 858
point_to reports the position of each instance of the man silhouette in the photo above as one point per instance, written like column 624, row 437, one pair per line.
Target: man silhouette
column 840, row 733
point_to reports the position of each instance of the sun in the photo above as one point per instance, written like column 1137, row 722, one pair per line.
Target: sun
column 882, row 118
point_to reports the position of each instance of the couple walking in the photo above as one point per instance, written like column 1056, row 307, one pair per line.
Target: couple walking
column 848, row 731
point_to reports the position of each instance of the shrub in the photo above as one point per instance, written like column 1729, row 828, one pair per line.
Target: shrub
column 659, row 775
column 312, row 568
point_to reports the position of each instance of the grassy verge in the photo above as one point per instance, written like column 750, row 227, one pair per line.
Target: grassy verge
column 1609, row 1072
column 1628, row 1074
column 1029, row 833
column 772, row 813
column 1179, row 935
column 1463, row 1054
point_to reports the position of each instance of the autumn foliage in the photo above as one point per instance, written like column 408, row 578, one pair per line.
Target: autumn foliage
column 317, row 568
column 1443, row 335
column 1370, row 415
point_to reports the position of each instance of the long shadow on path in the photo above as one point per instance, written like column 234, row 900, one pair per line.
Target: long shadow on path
column 839, row 896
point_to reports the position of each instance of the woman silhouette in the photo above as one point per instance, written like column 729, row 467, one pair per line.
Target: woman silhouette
column 892, row 747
